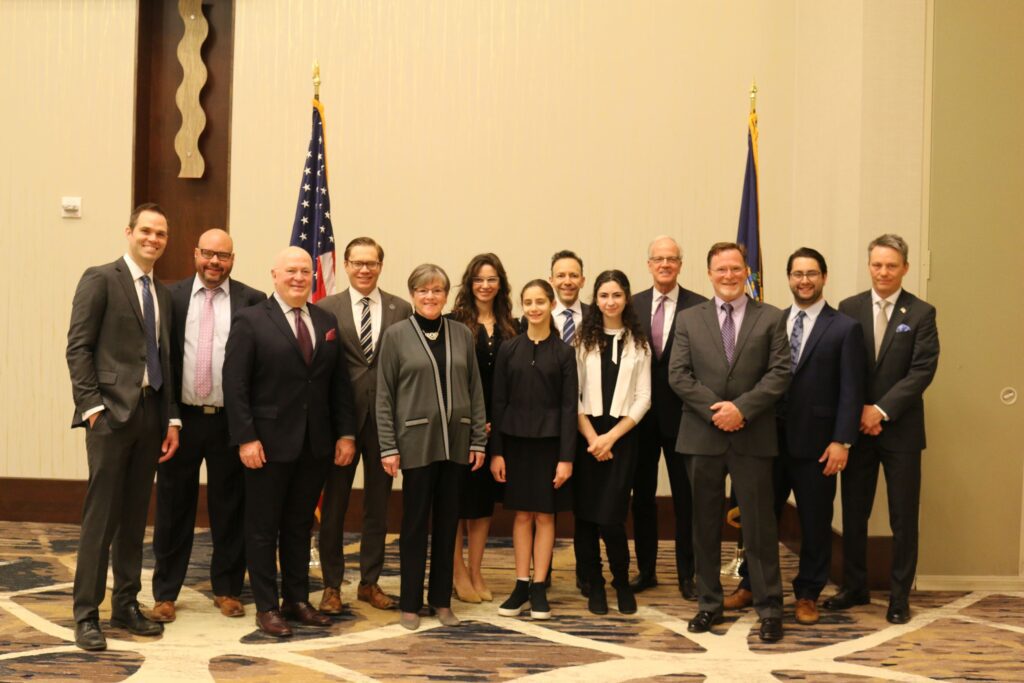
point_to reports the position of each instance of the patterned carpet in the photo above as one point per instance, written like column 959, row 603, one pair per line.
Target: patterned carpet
column 977, row 636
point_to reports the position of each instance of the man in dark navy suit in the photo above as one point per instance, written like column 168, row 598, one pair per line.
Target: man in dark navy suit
column 656, row 309
column 291, row 413
column 901, row 344
column 818, row 420
column 202, row 308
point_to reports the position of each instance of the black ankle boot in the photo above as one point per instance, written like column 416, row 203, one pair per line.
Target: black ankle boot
column 627, row 601
column 518, row 602
column 539, row 608
column 597, row 602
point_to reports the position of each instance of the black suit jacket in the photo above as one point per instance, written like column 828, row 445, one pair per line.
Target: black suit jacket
column 826, row 395
column 666, row 408
column 106, row 350
column 241, row 296
column 905, row 366
column 272, row 395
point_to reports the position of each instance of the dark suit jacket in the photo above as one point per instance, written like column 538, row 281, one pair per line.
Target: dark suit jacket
column 106, row 350
column 666, row 408
column 363, row 374
column 905, row 367
column 241, row 296
column 699, row 373
column 826, row 395
column 272, row 395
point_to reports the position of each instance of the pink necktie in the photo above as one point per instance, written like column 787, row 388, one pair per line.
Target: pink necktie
column 204, row 355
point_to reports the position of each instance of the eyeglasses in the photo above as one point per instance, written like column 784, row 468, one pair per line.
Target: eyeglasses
column 725, row 270
column 800, row 275
column 359, row 265
column 671, row 260
column 428, row 292
column 492, row 281
column 210, row 253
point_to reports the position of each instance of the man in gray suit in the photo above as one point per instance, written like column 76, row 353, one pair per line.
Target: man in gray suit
column 118, row 355
column 730, row 364
column 363, row 312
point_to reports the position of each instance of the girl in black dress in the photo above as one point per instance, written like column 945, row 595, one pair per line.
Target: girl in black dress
column 614, row 366
column 485, row 307
column 533, row 442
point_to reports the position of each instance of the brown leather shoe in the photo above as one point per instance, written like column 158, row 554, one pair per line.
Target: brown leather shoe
column 806, row 611
column 739, row 599
column 304, row 613
column 330, row 601
column 273, row 624
column 163, row 612
column 229, row 605
column 371, row 593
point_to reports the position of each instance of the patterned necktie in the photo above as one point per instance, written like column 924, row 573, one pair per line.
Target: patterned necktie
column 657, row 323
column 366, row 330
column 569, row 327
column 156, row 373
column 204, row 352
column 881, row 322
column 302, row 334
column 797, row 337
column 728, row 333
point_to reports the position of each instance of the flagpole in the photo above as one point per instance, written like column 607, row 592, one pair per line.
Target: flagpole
column 316, row 79
column 753, row 97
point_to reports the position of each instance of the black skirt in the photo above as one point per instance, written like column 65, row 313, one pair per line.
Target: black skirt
column 529, row 472
column 479, row 491
column 601, row 489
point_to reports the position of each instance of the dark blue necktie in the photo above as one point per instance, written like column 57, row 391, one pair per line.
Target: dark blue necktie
column 797, row 337
column 569, row 327
column 156, row 375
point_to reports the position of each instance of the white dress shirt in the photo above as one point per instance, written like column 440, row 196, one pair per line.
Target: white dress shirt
column 290, row 317
column 221, row 328
column 812, row 312
column 376, row 312
column 671, row 301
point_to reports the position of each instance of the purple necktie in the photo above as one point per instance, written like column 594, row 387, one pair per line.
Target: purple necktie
column 302, row 334
column 728, row 333
column 204, row 352
column 657, row 325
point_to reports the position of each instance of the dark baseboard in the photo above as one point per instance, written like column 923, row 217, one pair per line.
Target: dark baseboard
column 59, row 501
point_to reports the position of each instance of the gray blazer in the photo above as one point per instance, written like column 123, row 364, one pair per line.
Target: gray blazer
column 700, row 375
column 411, row 419
column 363, row 373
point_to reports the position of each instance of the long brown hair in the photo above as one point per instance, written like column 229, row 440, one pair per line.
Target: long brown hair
column 465, row 311
column 592, row 335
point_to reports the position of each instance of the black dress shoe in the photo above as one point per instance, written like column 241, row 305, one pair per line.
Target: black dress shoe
column 845, row 599
column 642, row 582
column 597, row 601
column 88, row 635
column 703, row 621
column 136, row 622
column 688, row 589
column 898, row 612
column 626, row 600
column 771, row 630
column 583, row 586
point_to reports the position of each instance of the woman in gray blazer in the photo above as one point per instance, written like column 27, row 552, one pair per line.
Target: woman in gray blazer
column 431, row 423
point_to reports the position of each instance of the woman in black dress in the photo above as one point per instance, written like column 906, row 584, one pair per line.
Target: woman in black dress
column 485, row 307
column 533, row 442
column 614, row 367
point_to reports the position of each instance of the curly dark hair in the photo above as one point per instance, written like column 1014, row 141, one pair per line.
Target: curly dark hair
column 465, row 311
column 592, row 335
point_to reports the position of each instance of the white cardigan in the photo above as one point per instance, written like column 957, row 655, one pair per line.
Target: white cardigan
column 632, row 389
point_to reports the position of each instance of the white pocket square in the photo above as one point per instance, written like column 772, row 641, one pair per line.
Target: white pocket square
column 902, row 327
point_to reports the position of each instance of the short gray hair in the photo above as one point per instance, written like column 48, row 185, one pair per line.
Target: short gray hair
column 659, row 238
column 424, row 274
column 892, row 242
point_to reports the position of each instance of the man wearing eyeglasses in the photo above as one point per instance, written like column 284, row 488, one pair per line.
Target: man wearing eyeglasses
column 656, row 310
column 363, row 312
column 202, row 306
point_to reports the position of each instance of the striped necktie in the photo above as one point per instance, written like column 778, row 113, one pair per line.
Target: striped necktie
column 728, row 333
column 569, row 327
column 366, row 330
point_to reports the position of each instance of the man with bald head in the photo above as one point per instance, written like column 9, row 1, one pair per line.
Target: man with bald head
column 291, row 413
column 202, row 306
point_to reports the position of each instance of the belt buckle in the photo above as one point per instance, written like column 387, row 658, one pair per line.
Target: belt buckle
column 210, row 410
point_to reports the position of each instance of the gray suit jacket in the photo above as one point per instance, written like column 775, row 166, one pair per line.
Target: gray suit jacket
column 106, row 350
column 363, row 373
column 411, row 419
column 701, row 376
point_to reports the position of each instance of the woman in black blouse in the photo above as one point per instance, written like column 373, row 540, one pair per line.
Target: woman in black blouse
column 533, row 441
column 485, row 307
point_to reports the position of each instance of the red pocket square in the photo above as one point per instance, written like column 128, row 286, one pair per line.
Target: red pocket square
column 331, row 335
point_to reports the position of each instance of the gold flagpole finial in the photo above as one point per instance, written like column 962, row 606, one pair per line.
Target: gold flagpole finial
column 316, row 79
column 753, row 97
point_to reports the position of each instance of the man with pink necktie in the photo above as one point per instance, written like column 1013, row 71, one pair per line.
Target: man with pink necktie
column 203, row 306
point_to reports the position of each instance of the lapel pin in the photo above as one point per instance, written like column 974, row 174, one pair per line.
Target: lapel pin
column 903, row 309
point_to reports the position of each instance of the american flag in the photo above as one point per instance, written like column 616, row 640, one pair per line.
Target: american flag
column 312, row 227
